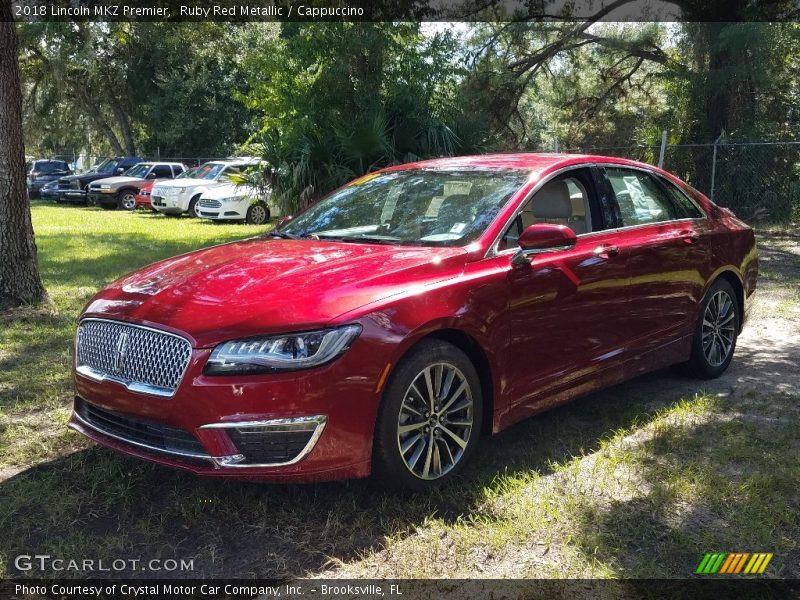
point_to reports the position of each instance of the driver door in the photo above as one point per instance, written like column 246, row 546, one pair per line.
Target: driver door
column 567, row 306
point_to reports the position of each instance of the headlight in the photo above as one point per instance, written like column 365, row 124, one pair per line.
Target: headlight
column 105, row 186
column 281, row 352
column 231, row 199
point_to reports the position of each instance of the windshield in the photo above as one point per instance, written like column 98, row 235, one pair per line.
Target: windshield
column 209, row 171
column 138, row 171
column 107, row 166
column 190, row 173
column 414, row 207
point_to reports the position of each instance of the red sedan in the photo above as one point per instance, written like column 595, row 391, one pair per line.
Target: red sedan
column 387, row 327
column 143, row 197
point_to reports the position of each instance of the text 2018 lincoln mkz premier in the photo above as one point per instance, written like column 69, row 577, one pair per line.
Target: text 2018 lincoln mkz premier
column 388, row 326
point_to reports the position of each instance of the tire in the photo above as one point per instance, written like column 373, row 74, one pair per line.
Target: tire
column 715, row 334
column 126, row 200
column 193, row 207
column 410, row 460
column 257, row 214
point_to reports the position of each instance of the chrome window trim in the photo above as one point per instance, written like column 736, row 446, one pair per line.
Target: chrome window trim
column 493, row 251
column 134, row 386
column 319, row 422
column 120, row 438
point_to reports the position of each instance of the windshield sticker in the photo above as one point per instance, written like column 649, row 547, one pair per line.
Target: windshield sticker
column 451, row 188
column 365, row 178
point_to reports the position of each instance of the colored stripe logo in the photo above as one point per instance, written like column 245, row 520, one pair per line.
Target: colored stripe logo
column 734, row 563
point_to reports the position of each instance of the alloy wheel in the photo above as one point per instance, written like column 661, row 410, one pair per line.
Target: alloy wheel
column 435, row 421
column 128, row 201
column 258, row 215
column 719, row 328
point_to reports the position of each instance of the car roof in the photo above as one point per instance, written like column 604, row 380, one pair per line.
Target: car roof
column 535, row 162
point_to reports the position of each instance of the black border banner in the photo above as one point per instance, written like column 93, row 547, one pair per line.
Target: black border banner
column 404, row 10
column 401, row 589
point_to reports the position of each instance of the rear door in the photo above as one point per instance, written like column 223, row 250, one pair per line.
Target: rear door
column 668, row 246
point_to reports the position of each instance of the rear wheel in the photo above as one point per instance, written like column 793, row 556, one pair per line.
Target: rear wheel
column 257, row 214
column 715, row 334
column 127, row 200
column 429, row 421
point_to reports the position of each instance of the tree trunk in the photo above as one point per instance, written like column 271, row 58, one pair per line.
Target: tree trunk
column 90, row 105
column 20, row 282
column 124, row 123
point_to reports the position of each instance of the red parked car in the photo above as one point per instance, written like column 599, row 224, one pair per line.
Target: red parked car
column 387, row 327
column 143, row 197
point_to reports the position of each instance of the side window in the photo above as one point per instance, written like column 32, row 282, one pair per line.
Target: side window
column 161, row 171
column 176, row 170
column 641, row 200
column 683, row 205
column 562, row 201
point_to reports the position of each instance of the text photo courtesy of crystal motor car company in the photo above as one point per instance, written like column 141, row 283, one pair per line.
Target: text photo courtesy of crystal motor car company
column 386, row 328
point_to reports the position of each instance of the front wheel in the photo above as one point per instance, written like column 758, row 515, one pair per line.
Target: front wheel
column 193, row 207
column 127, row 200
column 429, row 421
column 715, row 333
column 257, row 214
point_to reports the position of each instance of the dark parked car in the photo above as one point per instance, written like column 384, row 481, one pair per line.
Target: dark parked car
column 43, row 171
column 49, row 191
column 75, row 187
column 390, row 325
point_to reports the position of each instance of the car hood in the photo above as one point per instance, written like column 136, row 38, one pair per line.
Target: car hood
column 227, row 190
column 118, row 179
column 84, row 177
column 267, row 285
column 187, row 182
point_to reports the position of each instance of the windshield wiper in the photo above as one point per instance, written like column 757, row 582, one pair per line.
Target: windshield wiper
column 283, row 235
column 361, row 238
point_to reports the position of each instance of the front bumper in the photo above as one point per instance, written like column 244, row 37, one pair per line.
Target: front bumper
column 323, row 419
column 170, row 205
column 99, row 197
column 71, row 195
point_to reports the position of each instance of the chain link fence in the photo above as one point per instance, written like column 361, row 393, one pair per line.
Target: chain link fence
column 757, row 180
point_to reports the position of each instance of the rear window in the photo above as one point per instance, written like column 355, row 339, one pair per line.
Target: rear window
column 49, row 166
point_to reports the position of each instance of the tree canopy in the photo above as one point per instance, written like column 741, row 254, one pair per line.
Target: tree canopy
column 326, row 102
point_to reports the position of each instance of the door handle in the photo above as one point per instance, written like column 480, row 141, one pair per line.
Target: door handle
column 606, row 251
column 690, row 237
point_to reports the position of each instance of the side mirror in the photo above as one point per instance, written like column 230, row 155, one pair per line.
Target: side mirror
column 543, row 237
column 151, row 176
column 283, row 221
column 120, row 170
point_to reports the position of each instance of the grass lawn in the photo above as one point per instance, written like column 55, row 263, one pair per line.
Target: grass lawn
column 638, row 481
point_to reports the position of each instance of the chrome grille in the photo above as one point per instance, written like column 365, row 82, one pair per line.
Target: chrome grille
column 143, row 359
column 209, row 203
column 67, row 184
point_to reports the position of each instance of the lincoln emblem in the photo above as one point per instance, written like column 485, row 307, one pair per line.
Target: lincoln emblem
column 122, row 351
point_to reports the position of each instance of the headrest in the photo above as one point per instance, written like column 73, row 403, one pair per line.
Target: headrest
column 552, row 201
column 454, row 203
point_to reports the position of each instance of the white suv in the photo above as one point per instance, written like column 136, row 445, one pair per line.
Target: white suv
column 231, row 202
column 182, row 195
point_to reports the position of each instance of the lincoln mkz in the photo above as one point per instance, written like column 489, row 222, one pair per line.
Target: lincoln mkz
column 389, row 326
